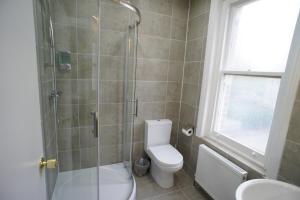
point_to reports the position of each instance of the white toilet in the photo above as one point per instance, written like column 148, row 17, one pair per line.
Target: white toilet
column 165, row 159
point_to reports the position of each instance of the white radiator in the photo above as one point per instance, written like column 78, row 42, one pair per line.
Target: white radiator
column 216, row 175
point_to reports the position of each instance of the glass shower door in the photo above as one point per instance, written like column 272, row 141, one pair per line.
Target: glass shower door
column 68, row 69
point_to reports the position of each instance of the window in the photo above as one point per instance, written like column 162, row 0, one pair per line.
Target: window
column 247, row 68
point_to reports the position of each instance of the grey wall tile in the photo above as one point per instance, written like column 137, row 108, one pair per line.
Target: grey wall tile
column 85, row 117
column 114, row 17
column 151, row 91
column 180, row 9
column 87, row 38
column 194, row 50
column 68, row 89
column 150, row 47
column 111, row 92
column 148, row 111
column 152, row 70
column 111, row 135
column 190, row 94
column 172, row 110
column 198, row 26
column 87, row 91
column 179, row 27
column 111, row 68
column 87, row 66
column 155, row 25
column 69, row 160
column 290, row 162
column 112, row 43
column 187, row 114
column 110, row 114
column 65, row 37
column 87, row 138
column 88, row 157
column 175, row 71
column 174, row 90
column 110, row 154
column 199, row 7
column 67, row 116
column 68, row 139
column 177, row 50
column 64, row 11
column 87, row 9
column 193, row 72
column 158, row 6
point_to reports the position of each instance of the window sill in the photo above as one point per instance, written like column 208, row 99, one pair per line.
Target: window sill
column 242, row 159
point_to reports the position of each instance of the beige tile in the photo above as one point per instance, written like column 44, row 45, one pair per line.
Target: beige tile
column 64, row 11
column 139, row 132
column 86, row 9
column 172, row 110
column 187, row 114
column 194, row 50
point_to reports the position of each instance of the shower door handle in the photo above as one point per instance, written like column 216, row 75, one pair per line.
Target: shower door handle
column 95, row 123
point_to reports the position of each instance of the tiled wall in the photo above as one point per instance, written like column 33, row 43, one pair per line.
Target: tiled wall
column 290, row 163
column 193, row 68
column 160, row 64
column 76, row 31
column 46, row 78
column 192, row 80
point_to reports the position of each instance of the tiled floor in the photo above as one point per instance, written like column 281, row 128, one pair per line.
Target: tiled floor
column 147, row 189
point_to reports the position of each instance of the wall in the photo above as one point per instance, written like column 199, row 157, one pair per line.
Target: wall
column 193, row 72
column 290, row 163
column 21, row 143
column 160, row 64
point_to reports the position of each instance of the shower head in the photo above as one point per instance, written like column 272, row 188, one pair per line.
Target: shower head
column 131, row 7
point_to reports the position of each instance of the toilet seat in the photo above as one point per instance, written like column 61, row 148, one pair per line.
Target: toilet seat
column 166, row 156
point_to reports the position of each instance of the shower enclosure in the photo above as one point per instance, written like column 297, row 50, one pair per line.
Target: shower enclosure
column 87, row 71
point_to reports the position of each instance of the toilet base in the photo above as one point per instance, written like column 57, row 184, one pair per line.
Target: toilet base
column 163, row 179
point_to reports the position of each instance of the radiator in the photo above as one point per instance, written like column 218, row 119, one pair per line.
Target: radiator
column 216, row 175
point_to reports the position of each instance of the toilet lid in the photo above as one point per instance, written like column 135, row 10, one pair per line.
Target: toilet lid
column 166, row 155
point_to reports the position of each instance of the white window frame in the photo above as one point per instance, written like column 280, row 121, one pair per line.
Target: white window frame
column 269, row 163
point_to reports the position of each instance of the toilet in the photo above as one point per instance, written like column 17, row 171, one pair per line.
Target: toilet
column 165, row 159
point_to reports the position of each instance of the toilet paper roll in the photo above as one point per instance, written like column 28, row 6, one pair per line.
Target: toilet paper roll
column 187, row 132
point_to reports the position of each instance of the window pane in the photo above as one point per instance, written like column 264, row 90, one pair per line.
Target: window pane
column 261, row 34
column 245, row 109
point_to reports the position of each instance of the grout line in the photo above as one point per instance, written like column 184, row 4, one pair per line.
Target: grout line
column 182, row 77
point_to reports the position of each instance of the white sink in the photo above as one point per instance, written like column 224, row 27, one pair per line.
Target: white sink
column 266, row 189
